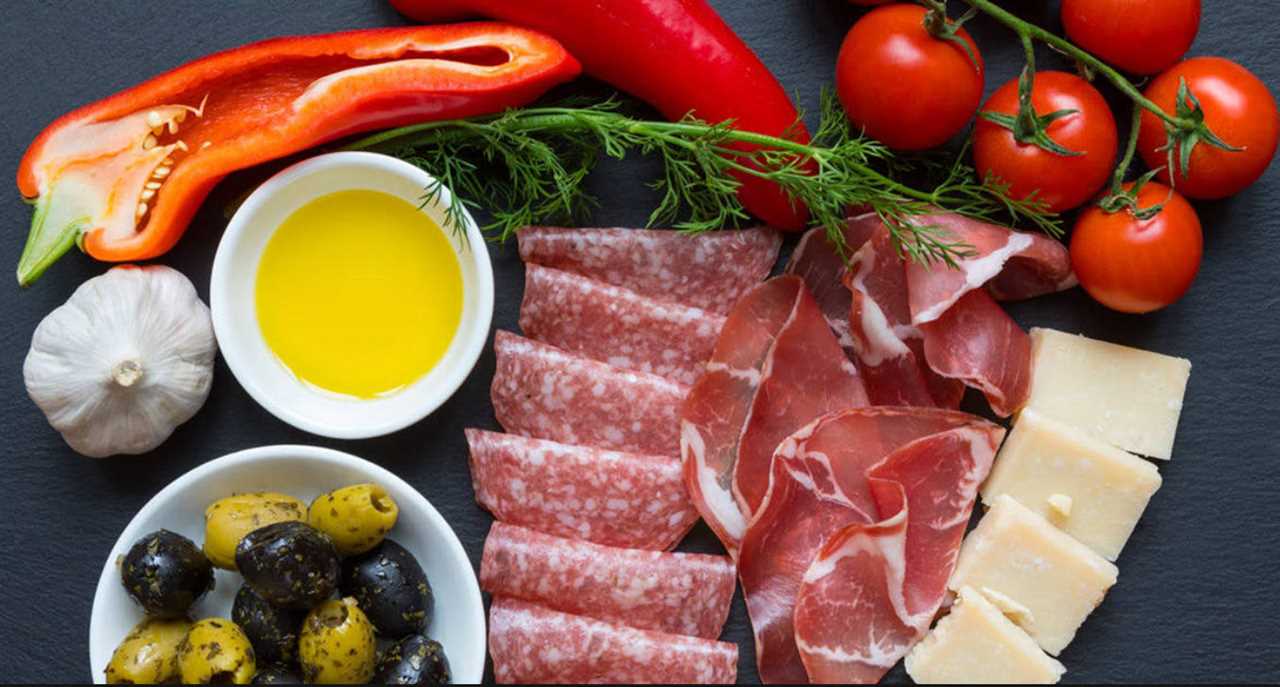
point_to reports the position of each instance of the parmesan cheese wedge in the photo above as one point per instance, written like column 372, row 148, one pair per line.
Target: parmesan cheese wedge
column 977, row 644
column 1124, row 396
column 1087, row 488
column 1018, row 554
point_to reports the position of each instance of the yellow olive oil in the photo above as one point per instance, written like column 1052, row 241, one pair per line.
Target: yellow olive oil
column 359, row 293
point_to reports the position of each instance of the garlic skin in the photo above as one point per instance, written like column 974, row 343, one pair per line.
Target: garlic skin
column 124, row 361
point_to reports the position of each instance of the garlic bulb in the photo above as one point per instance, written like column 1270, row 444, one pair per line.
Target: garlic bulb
column 124, row 361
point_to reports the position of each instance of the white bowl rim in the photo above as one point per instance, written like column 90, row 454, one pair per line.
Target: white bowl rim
column 445, row 386
column 109, row 577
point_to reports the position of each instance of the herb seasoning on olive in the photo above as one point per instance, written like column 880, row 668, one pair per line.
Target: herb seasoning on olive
column 355, row 517
column 227, row 520
column 148, row 655
column 414, row 660
column 166, row 573
column 337, row 644
column 391, row 589
column 216, row 651
column 272, row 630
column 289, row 564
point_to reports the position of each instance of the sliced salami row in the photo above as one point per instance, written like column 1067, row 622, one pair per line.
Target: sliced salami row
column 532, row 644
column 616, row 325
column 546, row 392
column 678, row 593
column 598, row 495
column 587, row 482
column 709, row 271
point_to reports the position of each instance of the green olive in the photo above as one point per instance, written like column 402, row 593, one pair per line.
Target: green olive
column 226, row 521
column 355, row 517
column 337, row 644
column 216, row 650
column 149, row 653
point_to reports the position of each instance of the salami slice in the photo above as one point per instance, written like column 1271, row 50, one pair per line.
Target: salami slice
column 608, row 497
column 709, row 271
column 545, row 392
column 616, row 325
column 533, row 644
column 679, row 593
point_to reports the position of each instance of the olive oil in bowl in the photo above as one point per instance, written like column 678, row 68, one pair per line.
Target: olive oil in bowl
column 359, row 293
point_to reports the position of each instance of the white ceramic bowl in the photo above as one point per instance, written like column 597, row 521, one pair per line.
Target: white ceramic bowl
column 304, row 472
column 235, row 320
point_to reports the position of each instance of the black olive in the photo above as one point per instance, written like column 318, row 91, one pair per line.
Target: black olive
column 414, row 660
column 289, row 564
column 277, row 675
column 166, row 573
column 273, row 631
column 390, row 588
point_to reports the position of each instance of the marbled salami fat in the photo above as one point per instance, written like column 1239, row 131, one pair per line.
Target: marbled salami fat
column 679, row 593
column 546, row 392
column 616, row 325
column 608, row 497
column 533, row 644
column 709, row 271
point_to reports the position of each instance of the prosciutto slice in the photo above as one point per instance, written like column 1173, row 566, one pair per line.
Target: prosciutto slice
column 775, row 367
column 679, row 593
column 532, row 644
column 893, row 302
column 616, row 325
column 846, row 561
column 608, row 497
column 546, row 392
column 710, row 271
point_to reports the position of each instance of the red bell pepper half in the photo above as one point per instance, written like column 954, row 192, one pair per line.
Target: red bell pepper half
column 677, row 55
column 123, row 176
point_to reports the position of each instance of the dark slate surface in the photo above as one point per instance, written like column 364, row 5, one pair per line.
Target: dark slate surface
column 1197, row 594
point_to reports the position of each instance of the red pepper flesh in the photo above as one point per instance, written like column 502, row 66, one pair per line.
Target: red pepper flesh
column 123, row 176
column 677, row 55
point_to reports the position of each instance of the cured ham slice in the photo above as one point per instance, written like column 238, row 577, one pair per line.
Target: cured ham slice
column 608, row 497
column 846, row 561
column 805, row 376
column 709, row 271
column 822, row 267
column 776, row 366
column 679, row 593
column 887, row 345
column 616, row 325
column 532, row 644
column 545, row 392
column 892, row 301
column 976, row 342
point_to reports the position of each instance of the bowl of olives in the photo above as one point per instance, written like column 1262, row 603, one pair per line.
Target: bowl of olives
column 284, row 564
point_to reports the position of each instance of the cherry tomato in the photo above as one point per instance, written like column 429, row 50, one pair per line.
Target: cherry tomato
column 1237, row 107
column 1138, row 36
column 1134, row 265
column 904, row 87
column 1063, row 182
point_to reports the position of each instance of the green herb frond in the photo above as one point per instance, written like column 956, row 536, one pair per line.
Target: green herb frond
column 530, row 167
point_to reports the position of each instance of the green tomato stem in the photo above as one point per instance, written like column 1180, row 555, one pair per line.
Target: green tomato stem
column 1028, row 31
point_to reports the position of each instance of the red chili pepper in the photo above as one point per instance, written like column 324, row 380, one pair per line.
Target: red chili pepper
column 677, row 55
column 124, row 175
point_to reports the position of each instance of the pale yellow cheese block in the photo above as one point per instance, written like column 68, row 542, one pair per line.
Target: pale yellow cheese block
column 1017, row 553
column 976, row 644
column 1087, row 488
column 1124, row 396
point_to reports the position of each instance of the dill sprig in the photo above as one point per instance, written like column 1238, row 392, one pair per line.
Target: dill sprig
column 529, row 165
